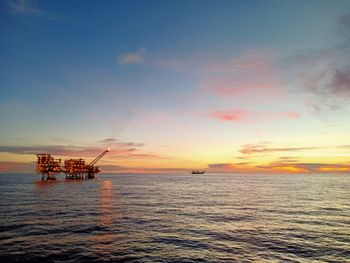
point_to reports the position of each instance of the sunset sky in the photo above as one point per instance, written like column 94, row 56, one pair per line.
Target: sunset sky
column 171, row 86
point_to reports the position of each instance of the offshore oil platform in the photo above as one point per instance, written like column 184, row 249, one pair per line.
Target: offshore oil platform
column 49, row 167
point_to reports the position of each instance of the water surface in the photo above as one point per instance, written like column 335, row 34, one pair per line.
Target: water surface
column 176, row 218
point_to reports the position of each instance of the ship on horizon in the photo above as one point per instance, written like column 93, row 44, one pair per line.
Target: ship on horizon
column 197, row 172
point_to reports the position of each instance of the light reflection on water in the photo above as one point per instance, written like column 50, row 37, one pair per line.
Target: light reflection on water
column 174, row 218
column 106, row 203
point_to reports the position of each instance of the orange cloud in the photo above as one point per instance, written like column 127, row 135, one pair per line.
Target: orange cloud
column 263, row 148
column 279, row 167
column 306, row 167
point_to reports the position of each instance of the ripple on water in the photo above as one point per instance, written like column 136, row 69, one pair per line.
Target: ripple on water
column 176, row 218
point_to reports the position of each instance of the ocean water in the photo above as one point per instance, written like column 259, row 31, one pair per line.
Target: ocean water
column 176, row 218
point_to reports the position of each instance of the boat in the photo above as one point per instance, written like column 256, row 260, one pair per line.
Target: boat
column 198, row 172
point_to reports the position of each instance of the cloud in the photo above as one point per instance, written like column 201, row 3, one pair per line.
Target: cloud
column 39, row 149
column 325, row 73
column 340, row 84
column 132, row 58
column 245, row 167
column 288, row 159
column 230, row 86
column 329, row 83
column 305, row 167
column 139, row 155
column 344, row 21
column 238, row 115
column 253, row 72
column 263, row 148
column 252, row 61
column 221, row 166
column 230, row 115
column 119, row 150
column 24, row 7
column 280, row 167
column 108, row 140
column 116, row 142
column 344, row 146
column 65, row 150
column 31, row 9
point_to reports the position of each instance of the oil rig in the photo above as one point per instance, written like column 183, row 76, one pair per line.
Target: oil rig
column 49, row 167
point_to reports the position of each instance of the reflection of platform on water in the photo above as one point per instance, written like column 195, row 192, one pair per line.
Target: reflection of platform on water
column 104, row 239
column 106, row 203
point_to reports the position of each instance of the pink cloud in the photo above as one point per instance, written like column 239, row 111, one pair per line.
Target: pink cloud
column 231, row 115
column 253, row 61
column 226, row 86
column 251, row 116
column 253, row 72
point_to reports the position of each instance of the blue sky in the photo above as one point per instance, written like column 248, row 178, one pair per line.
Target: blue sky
column 182, row 78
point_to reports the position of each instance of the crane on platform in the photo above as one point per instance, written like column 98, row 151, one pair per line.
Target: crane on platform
column 93, row 162
column 93, row 170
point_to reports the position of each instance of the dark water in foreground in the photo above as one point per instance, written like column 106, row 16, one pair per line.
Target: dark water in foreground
column 176, row 218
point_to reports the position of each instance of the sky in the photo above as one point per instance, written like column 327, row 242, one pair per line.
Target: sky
column 171, row 86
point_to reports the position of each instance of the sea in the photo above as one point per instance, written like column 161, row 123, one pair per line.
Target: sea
column 176, row 218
